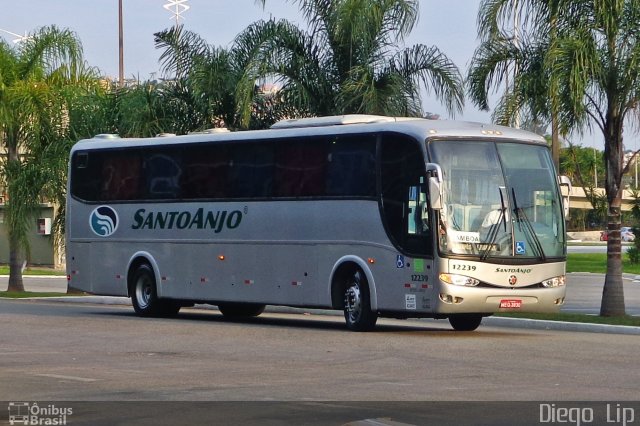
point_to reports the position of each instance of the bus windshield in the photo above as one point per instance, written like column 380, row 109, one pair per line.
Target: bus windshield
column 499, row 200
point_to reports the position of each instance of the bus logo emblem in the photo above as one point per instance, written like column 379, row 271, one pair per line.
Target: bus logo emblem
column 513, row 280
column 103, row 221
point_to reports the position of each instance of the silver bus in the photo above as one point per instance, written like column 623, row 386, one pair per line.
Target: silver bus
column 375, row 216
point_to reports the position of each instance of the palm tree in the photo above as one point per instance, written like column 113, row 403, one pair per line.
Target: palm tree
column 199, row 76
column 515, row 38
column 37, row 80
column 201, row 85
column 595, row 68
column 591, row 74
column 348, row 61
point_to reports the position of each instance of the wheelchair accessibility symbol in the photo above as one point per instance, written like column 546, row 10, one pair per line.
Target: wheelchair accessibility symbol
column 400, row 261
column 520, row 247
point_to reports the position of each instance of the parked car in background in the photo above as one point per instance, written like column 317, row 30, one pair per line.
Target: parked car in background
column 626, row 234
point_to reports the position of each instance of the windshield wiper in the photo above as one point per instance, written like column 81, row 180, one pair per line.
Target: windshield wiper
column 502, row 218
column 521, row 217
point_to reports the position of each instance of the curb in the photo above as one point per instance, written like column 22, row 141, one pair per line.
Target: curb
column 39, row 276
column 561, row 325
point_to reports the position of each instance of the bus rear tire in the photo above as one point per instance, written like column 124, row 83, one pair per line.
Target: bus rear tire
column 241, row 310
column 357, row 303
column 465, row 322
column 144, row 296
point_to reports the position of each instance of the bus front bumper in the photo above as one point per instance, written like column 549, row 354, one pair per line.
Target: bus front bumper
column 454, row 299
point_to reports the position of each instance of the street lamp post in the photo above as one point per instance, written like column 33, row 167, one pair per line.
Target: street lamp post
column 120, row 46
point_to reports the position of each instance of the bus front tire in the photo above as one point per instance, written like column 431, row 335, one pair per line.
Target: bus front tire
column 144, row 296
column 465, row 322
column 357, row 303
column 241, row 310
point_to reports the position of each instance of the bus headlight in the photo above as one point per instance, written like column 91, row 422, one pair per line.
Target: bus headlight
column 554, row 282
column 459, row 280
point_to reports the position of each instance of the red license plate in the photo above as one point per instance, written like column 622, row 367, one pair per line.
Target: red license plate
column 511, row 303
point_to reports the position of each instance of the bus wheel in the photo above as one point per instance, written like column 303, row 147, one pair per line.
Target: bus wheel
column 144, row 296
column 239, row 310
column 357, row 304
column 465, row 322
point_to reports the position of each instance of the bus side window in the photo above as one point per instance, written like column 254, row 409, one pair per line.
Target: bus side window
column 121, row 177
column 418, row 220
column 300, row 168
column 351, row 166
column 86, row 182
column 163, row 173
column 251, row 170
column 205, row 172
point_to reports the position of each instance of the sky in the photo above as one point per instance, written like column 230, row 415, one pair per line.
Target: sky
column 448, row 24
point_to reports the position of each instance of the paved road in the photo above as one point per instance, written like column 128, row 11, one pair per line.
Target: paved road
column 584, row 291
column 52, row 351
column 588, row 249
column 599, row 248
column 68, row 351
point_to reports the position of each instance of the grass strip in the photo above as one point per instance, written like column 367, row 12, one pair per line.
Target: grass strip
column 597, row 263
column 4, row 270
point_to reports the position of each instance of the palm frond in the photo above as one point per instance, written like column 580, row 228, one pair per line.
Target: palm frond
column 181, row 48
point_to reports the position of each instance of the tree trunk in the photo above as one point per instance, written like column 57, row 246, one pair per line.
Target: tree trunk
column 15, row 266
column 613, row 292
column 15, row 258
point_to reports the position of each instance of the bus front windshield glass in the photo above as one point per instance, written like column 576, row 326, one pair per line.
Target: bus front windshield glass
column 499, row 200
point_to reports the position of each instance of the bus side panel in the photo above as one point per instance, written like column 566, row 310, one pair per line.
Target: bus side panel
column 79, row 266
column 404, row 283
column 261, row 273
column 107, row 273
column 94, row 267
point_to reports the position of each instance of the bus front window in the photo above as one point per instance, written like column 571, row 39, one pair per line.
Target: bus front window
column 499, row 200
column 538, row 216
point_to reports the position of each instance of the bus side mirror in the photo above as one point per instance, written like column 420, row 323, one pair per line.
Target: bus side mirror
column 565, row 191
column 434, row 193
column 435, row 185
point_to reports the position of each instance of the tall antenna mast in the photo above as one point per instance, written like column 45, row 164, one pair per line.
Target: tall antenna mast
column 177, row 8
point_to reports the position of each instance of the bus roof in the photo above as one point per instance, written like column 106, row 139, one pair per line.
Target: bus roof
column 419, row 128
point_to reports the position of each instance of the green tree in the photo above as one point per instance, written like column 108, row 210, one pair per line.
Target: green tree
column 595, row 67
column 38, row 79
column 591, row 76
column 580, row 164
column 202, row 85
column 140, row 110
column 200, row 81
column 515, row 38
column 349, row 60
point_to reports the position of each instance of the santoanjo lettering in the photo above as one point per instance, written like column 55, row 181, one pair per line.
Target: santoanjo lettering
column 514, row 270
column 200, row 219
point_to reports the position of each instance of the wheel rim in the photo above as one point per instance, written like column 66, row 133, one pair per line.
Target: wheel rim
column 353, row 299
column 143, row 292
